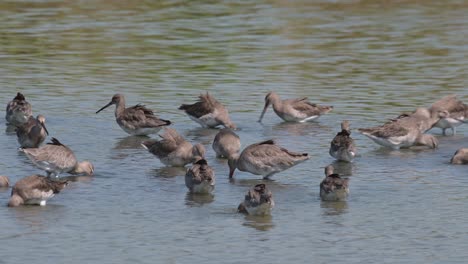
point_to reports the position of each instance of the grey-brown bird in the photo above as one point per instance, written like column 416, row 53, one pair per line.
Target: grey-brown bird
column 457, row 113
column 226, row 143
column 200, row 178
column 35, row 190
column 342, row 146
column 406, row 130
column 56, row 158
column 333, row 187
column 173, row 149
column 32, row 133
column 265, row 158
column 208, row 112
column 18, row 110
column 257, row 201
column 136, row 120
column 294, row 110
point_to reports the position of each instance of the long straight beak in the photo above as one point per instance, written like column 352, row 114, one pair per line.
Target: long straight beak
column 43, row 126
column 231, row 172
column 107, row 105
column 267, row 103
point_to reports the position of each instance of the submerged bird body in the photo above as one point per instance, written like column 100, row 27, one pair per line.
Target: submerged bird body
column 18, row 110
column 136, row 120
column 294, row 110
column 405, row 131
column 333, row 187
column 35, row 189
column 460, row 156
column 226, row 143
column 457, row 113
column 342, row 146
column 208, row 112
column 257, row 201
column 56, row 158
column 32, row 133
column 173, row 149
column 265, row 158
column 200, row 178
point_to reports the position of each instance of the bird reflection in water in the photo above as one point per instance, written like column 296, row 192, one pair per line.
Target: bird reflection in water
column 297, row 129
column 202, row 135
column 334, row 208
column 343, row 168
column 261, row 223
column 79, row 178
column 130, row 142
column 168, row 172
column 198, row 199
column 36, row 219
column 10, row 129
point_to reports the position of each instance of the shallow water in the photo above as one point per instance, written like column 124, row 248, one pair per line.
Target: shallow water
column 371, row 60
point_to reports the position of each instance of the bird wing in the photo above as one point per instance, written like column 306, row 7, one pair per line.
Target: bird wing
column 52, row 156
column 449, row 103
column 333, row 182
column 342, row 140
column 392, row 128
column 304, row 106
column 267, row 154
column 140, row 116
column 205, row 105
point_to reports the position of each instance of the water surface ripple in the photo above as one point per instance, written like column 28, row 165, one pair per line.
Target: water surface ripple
column 371, row 60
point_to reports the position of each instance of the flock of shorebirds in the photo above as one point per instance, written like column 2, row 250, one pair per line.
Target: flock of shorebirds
column 264, row 158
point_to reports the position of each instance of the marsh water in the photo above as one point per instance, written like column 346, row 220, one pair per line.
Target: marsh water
column 371, row 60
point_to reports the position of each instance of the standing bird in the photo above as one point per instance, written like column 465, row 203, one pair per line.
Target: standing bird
column 18, row 110
column 457, row 113
column 406, row 130
column 32, row 133
column 35, row 189
column 226, row 143
column 56, row 158
column 136, row 120
column 4, row 181
column 173, row 149
column 208, row 112
column 294, row 110
column 200, row 178
column 342, row 146
column 333, row 187
column 265, row 158
column 460, row 157
column 257, row 201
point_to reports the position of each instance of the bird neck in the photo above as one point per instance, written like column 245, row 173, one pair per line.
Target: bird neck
column 120, row 107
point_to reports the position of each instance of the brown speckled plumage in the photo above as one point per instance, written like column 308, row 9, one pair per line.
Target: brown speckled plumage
column 32, row 133
column 200, row 178
column 18, row 110
column 208, row 112
column 257, row 201
column 173, row 149
column 136, row 120
column 333, row 187
column 35, row 189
